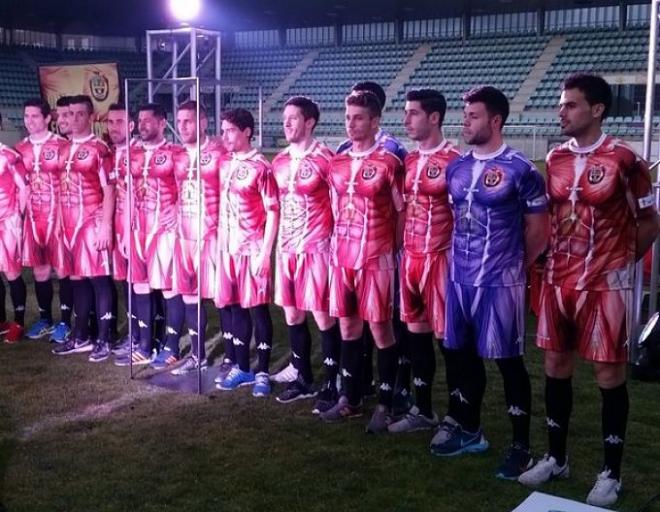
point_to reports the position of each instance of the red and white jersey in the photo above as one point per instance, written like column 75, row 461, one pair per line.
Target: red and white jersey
column 367, row 196
column 43, row 160
column 212, row 154
column 86, row 169
column 596, row 195
column 12, row 179
column 305, row 207
column 248, row 192
column 154, row 186
column 429, row 219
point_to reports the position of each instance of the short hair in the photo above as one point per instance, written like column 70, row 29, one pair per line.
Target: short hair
column 371, row 87
column 430, row 100
column 40, row 103
column 192, row 105
column 309, row 109
column 156, row 108
column 594, row 87
column 241, row 118
column 83, row 99
column 494, row 99
column 63, row 101
column 365, row 99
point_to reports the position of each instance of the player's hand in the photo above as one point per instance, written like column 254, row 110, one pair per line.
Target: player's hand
column 123, row 247
column 103, row 238
column 261, row 265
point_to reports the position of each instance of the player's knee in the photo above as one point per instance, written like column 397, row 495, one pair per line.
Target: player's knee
column 324, row 320
column 559, row 365
column 41, row 274
column 610, row 375
column 419, row 327
column 141, row 288
column 293, row 316
column 383, row 334
column 351, row 327
column 12, row 276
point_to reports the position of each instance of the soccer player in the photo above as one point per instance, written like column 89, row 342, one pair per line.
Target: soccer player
column 153, row 229
column 423, row 271
column 63, row 116
column 402, row 398
column 119, row 133
column 301, row 277
column 500, row 227
column 603, row 219
column 87, row 203
column 249, row 212
column 13, row 196
column 367, row 188
column 189, row 240
column 41, row 152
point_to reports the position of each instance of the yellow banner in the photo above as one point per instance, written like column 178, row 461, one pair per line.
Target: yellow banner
column 99, row 81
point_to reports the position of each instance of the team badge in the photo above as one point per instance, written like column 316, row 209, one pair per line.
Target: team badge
column 493, row 177
column 242, row 172
column 99, row 86
column 368, row 172
column 433, row 171
column 49, row 154
column 305, row 171
column 596, row 174
column 206, row 159
column 160, row 159
column 82, row 154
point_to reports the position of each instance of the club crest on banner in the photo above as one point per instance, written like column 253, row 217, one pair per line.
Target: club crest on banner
column 99, row 86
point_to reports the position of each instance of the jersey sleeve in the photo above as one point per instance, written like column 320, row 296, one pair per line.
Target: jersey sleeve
column 18, row 169
column 532, row 191
column 639, row 187
column 268, row 189
column 107, row 173
column 398, row 176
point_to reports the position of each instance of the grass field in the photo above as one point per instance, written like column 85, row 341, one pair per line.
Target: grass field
column 75, row 436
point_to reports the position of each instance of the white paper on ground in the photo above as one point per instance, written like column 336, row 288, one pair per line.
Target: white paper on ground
column 540, row 502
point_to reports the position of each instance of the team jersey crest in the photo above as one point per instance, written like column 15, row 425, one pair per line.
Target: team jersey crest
column 206, row 159
column 242, row 172
column 160, row 159
column 433, row 171
column 369, row 172
column 305, row 170
column 596, row 174
column 49, row 154
column 493, row 177
column 82, row 154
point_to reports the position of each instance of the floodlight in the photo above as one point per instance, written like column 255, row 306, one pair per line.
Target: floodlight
column 185, row 10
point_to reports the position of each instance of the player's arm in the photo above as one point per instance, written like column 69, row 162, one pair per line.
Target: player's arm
column 537, row 233
column 648, row 229
column 107, row 177
column 271, row 204
column 642, row 203
column 21, row 180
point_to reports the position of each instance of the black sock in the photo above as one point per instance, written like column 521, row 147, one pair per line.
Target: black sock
column 196, row 331
column 241, row 323
column 301, row 347
column 3, row 292
column 404, row 362
column 44, row 292
column 144, row 313
column 227, row 334
column 103, row 298
column 615, row 419
column 93, row 324
column 367, row 358
column 263, row 336
column 82, row 305
column 174, row 318
column 66, row 300
column 558, row 407
column 422, row 355
column 452, row 377
column 352, row 358
column 114, row 310
column 18, row 295
column 387, row 366
column 331, row 350
column 159, row 314
column 518, row 395
column 470, row 393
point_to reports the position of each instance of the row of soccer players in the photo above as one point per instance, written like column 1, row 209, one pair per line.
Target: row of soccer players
column 346, row 216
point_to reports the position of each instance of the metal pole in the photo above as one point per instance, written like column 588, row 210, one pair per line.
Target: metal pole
column 172, row 66
column 200, row 201
column 648, row 132
column 150, row 69
column 175, row 73
column 261, row 119
column 129, row 206
column 193, row 61
column 218, row 77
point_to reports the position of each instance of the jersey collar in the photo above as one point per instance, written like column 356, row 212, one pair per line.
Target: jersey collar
column 87, row 138
column 572, row 145
column 245, row 156
column 362, row 154
column 492, row 155
column 439, row 147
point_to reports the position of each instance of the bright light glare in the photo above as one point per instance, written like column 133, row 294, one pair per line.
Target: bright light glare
column 185, row 10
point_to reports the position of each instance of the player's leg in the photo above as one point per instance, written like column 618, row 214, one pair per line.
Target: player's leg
column 83, row 296
column 197, row 331
column 18, row 294
column 331, row 354
column 104, row 295
column 65, row 294
column 43, row 288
